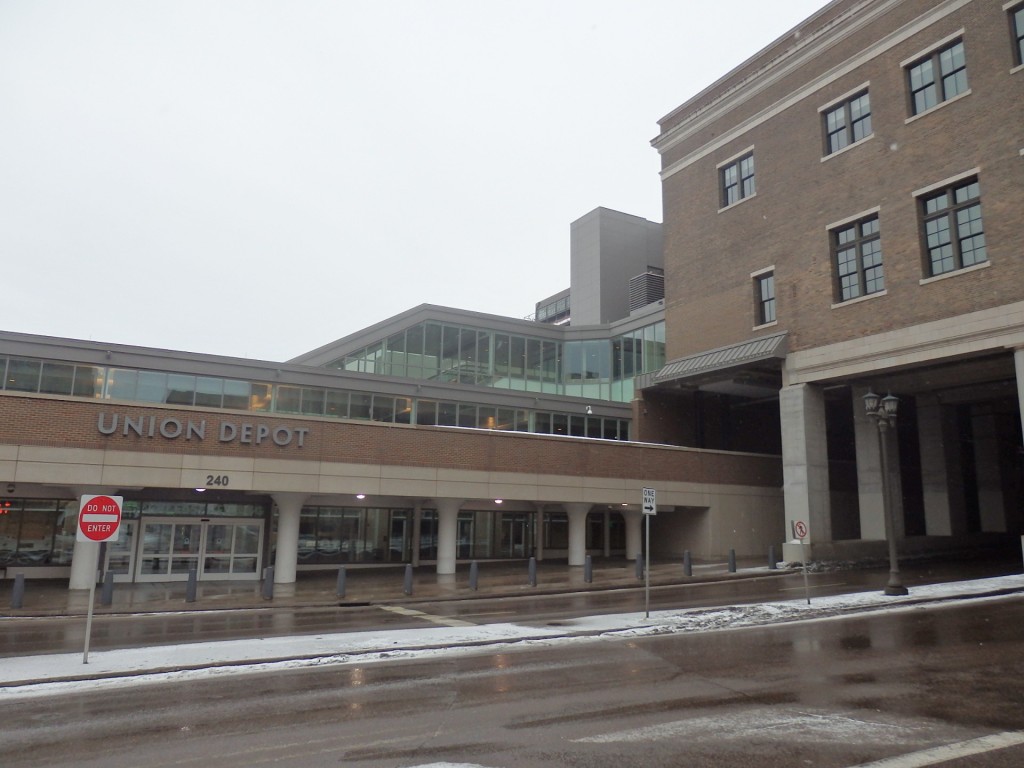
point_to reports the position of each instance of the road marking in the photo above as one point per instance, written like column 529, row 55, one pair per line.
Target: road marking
column 950, row 751
column 442, row 620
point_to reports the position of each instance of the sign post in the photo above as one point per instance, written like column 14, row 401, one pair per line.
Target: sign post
column 649, row 507
column 99, row 520
column 800, row 533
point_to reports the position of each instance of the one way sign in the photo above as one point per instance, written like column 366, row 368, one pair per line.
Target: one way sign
column 650, row 504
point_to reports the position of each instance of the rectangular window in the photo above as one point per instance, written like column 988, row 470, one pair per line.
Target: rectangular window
column 847, row 122
column 764, row 294
column 937, row 77
column 737, row 180
column 953, row 232
column 1017, row 31
column 857, row 255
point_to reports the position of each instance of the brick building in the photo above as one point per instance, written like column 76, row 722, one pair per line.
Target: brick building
column 842, row 214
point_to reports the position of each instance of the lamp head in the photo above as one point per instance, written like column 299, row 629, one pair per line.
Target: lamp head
column 871, row 403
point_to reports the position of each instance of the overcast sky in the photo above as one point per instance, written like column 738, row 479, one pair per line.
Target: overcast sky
column 256, row 179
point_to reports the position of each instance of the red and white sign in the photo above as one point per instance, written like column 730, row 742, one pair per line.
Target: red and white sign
column 99, row 518
column 800, row 529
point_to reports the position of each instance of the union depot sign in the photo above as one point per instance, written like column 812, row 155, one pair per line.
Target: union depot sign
column 175, row 428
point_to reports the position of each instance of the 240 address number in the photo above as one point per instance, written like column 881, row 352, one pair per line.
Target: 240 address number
column 218, row 481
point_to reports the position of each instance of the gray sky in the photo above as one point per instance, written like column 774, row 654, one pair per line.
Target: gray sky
column 255, row 178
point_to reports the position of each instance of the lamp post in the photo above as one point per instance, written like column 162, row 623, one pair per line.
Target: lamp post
column 883, row 412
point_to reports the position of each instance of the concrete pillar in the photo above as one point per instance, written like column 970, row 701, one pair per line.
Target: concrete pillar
column 417, row 526
column 447, row 534
column 988, row 469
column 941, row 472
column 538, row 534
column 607, row 533
column 577, row 532
column 1018, row 363
column 805, row 464
column 289, row 510
column 84, row 554
column 634, row 532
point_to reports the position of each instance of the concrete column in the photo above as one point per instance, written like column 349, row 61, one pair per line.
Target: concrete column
column 940, row 468
column 988, row 470
column 805, row 464
column 289, row 510
column 538, row 534
column 1018, row 363
column 577, row 532
column 417, row 525
column 869, row 471
column 607, row 533
column 634, row 532
column 85, row 555
column 447, row 534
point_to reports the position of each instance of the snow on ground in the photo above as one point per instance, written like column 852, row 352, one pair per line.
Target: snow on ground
column 22, row 676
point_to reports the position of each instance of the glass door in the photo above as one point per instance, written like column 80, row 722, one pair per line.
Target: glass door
column 218, row 549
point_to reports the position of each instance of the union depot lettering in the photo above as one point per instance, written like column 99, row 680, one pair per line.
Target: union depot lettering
column 173, row 428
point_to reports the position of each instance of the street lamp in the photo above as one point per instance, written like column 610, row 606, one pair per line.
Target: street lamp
column 883, row 411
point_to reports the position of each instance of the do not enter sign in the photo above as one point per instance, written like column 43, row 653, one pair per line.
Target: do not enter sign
column 99, row 518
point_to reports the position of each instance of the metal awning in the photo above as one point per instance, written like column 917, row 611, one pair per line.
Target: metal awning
column 723, row 359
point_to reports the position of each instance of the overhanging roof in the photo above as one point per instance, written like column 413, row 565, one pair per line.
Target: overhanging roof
column 723, row 359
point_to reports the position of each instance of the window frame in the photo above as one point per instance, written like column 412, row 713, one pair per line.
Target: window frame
column 857, row 244
column 845, row 103
column 746, row 185
column 951, row 214
column 1015, row 18
column 934, row 58
column 765, row 306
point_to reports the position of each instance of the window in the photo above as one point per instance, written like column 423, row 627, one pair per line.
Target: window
column 847, row 122
column 953, row 232
column 737, row 178
column 937, row 77
column 1017, row 30
column 857, row 255
column 764, row 296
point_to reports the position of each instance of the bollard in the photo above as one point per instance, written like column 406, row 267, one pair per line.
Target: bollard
column 191, row 586
column 474, row 575
column 18, row 595
column 732, row 561
column 407, row 587
column 588, row 570
column 268, row 584
column 107, row 593
column 341, row 581
column 687, row 565
column 533, row 571
column 639, row 565
column 772, row 563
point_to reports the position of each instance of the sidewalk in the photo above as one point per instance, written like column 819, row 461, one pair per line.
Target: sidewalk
column 364, row 585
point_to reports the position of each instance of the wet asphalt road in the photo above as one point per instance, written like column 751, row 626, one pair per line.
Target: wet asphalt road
column 831, row 694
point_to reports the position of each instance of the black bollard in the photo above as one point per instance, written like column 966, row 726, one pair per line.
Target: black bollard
column 639, row 565
column 268, row 584
column 18, row 595
column 407, row 586
column 107, row 593
column 732, row 561
column 588, row 570
column 474, row 575
column 772, row 563
column 192, row 584
column 533, row 571
column 341, row 581
column 687, row 565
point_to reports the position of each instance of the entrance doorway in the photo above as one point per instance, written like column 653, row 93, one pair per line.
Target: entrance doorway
column 224, row 548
